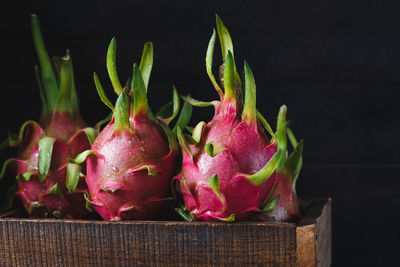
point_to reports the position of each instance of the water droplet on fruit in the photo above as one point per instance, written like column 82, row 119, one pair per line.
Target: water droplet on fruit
column 115, row 169
column 142, row 148
column 108, row 175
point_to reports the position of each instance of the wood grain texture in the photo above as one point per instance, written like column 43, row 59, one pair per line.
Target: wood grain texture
column 50, row 242
column 313, row 236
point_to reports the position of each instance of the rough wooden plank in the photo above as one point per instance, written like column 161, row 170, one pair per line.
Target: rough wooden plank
column 306, row 250
column 50, row 242
column 323, row 231
column 313, row 235
column 83, row 243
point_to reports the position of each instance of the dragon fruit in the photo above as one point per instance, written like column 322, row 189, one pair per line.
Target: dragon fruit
column 283, row 203
column 228, row 168
column 48, row 185
column 132, row 161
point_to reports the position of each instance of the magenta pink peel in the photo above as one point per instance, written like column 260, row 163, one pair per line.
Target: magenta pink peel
column 133, row 159
column 48, row 184
column 229, row 169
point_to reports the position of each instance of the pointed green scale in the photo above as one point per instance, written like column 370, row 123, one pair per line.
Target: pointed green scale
column 224, row 37
column 173, row 145
column 121, row 113
column 229, row 78
column 213, row 149
column 209, row 148
column 184, row 214
column 150, row 171
column 86, row 196
column 140, row 106
column 268, row 199
column 294, row 162
column 209, row 62
column 265, row 173
column 145, row 67
column 13, row 142
column 292, row 138
column 182, row 141
column 231, row 218
column 91, row 134
column 214, row 184
column 166, row 109
column 226, row 45
column 111, row 66
column 49, row 80
column 271, row 205
column 45, row 154
column 146, row 63
column 190, row 139
column 73, row 175
column 81, row 157
column 176, row 102
column 197, row 103
column 106, row 190
column 63, row 102
column 281, row 135
column 25, row 177
column 198, row 131
column 249, row 114
column 184, row 117
column 101, row 92
column 23, row 127
column 265, row 123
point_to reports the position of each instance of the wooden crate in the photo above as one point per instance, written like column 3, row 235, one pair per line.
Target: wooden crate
column 52, row 242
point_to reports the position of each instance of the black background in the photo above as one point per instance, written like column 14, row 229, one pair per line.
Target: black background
column 336, row 65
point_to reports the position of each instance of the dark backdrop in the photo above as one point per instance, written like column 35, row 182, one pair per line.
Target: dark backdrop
column 334, row 63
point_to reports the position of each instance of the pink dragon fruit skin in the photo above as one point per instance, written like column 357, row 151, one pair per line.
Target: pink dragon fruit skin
column 228, row 166
column 133, row 159
column 284, row 205
column 48, row 184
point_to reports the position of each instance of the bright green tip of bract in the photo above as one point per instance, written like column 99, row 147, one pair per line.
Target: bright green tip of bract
column 64, row 97
column 56, row 94
column 111, row 66
column 229, row 78
column 224, row 37
column 101, row 92
column 46, row 76
column 226, row 45
column 182, row 140
column 146, row 63
column 214, row 184
column 249, row 110
column 171, row 138
column 281, row 138
column 121, row 113
column 140, row 105
column 265, row 173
